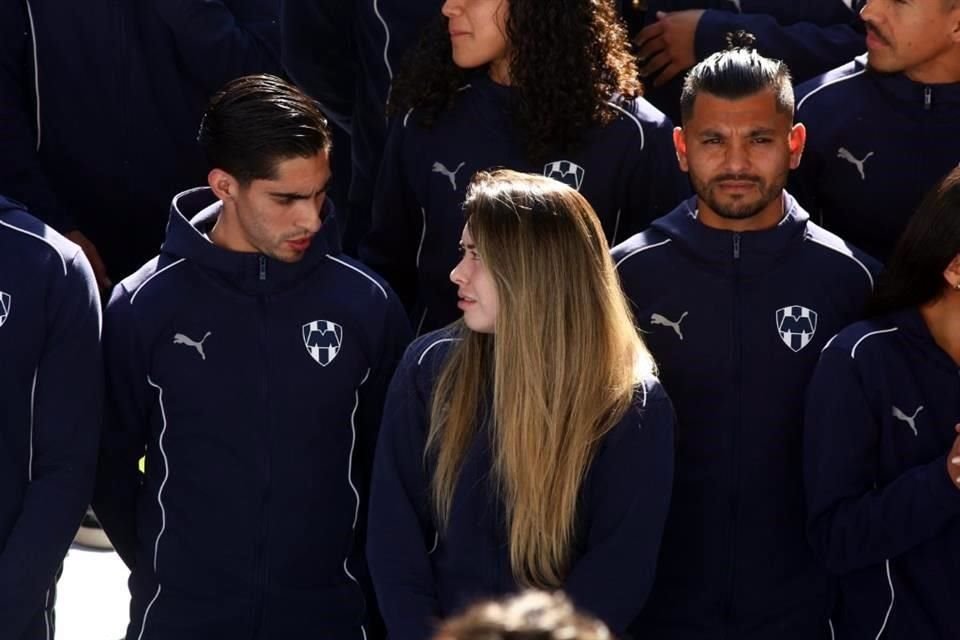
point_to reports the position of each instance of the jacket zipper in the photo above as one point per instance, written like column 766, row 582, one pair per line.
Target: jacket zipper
column 261, row 564
column 927, row 98
column 734, row 504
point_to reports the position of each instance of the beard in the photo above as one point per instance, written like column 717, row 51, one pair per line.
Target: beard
column 744, row 206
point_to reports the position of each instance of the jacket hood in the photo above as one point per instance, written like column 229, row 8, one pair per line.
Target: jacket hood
column 193, row 214
column 747, row 251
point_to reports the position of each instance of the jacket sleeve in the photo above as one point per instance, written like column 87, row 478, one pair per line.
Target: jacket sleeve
column 401, row 530
column 320, row 55
column 21, row 175
column 808, row 48
column 391, row 247
column 853, row 522
column 218, row 42
column 630, row 496
column 125, row 429
column 67, row 410
column 656, row 184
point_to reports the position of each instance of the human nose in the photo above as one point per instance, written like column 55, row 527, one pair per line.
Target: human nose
column 451, row 8
column 460, row 273
column 737, row 158
column 308, row 215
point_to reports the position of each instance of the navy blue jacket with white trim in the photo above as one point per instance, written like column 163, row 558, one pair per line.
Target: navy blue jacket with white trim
column 50, row 410
column 736, row 322
column 876, row 143
column 884, row 514
column 421, row 577
column 811, row 36
column 255, row 388
column 626, row 170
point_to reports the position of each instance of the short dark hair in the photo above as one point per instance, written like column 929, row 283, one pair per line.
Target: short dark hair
column 256, row 121
column 738, row 72
column 914, row 275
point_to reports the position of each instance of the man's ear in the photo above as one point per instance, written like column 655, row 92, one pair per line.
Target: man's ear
column 224, row 185
column 952, row 273
column 797, row 140
column 680, row 144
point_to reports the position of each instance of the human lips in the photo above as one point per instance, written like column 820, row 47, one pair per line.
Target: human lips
column 875, row 39
column 464, row 301
column 301, row 244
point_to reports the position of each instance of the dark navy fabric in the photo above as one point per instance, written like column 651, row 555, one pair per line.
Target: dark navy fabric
column 626, row 170
column 255, row 388
column 99, row 127
column 811, row 36
column 736, row 322
column 345, row 55
column 50, row 411
column 422, row 576
column 875, row 144
column 884, row 513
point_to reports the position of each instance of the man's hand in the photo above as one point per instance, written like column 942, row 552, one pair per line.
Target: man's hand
column 96, row 262
column 667, row 45
column 953, row 459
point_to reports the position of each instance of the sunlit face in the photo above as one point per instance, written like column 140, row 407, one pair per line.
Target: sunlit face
column 478, row 35
column 277, row 217
column 476, row 290
column 916, row 37
column 738, row 154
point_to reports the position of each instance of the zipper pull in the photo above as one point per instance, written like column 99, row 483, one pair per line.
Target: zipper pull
column 263, row 268
column 736, row 246
column 927, row 98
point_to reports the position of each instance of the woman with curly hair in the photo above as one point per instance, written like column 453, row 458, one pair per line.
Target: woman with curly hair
column 544, row 87
column 521, row 448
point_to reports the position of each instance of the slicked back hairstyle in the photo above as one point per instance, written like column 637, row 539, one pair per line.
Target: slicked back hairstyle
column 738, row 72
column 914, row 275
column 255, row 122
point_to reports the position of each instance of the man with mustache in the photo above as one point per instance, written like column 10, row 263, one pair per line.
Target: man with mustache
column 883, row 129
column 759, row 290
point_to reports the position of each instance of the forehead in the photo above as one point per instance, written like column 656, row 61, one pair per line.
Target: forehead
column 755, row 111
column 300, row 171
column 466, row 238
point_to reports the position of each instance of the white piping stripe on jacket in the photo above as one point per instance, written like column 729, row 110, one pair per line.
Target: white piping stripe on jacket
column 829, row 84
column 640, row 250
column 853, row 352
column 163, row 512
column 33, row 426
column 46, row 615
column 893, row 596
column 432, row 345
column 636, row 121
column 423, row 234
column 36, row 70
column 63, row 260
column 616, row 229
column 847, row 255
column 353, row 487
column 350, row 266
column 386, row 42
column 152, row 276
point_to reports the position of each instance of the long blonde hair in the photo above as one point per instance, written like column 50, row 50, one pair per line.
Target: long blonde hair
column 561, row 367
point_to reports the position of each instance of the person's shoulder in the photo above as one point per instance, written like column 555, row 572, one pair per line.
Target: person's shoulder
column 826, row 92
column 431, row 349
column 150, row 286
column 864, row 338
column 37, row 246
column 637, row 118
column 651, row 244
column 833, row 250
column 358, row 279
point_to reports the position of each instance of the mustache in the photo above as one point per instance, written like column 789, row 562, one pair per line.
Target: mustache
column 737, row 177
column 873, row 30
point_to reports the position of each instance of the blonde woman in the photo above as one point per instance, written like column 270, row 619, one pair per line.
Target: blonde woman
column 530, row 443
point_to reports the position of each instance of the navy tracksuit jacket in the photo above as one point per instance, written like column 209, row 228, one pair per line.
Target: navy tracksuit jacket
column 255, row 389
column 100, row 103
column 422, row 576
column 876, row 143
column 811, row 36
column 50, row 410
column 736, row 322
column 626, row 170
column 884, row 513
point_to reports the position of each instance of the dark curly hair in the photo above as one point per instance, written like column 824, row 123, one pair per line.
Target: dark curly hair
column 568, row 58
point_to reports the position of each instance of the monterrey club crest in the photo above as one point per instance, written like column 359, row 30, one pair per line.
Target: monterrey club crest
column 5, row 301
column 796, row 326
column 322, row 339
column 565, row 171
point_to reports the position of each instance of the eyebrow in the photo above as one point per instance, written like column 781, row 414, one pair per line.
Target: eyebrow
column 298, row 196
column 759, row 131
